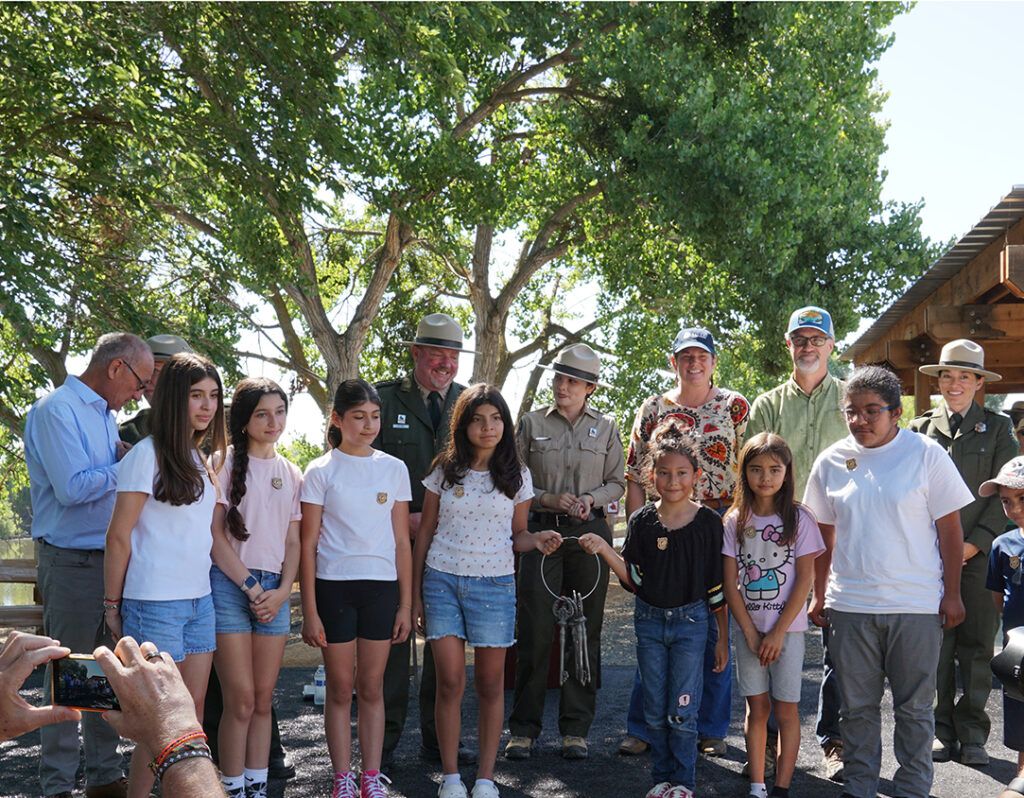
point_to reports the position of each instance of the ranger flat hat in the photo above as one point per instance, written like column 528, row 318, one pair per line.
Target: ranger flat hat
column 579, row 361
column 167, row 346
column 964, row 355
column 441, row 330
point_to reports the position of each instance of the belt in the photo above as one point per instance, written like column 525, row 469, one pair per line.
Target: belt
column 717, row 504
column 563, row 519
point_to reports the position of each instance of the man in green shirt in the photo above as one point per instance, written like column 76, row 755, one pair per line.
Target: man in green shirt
column 806, row 410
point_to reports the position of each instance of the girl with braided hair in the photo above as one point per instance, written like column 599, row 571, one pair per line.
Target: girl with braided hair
column 256, row 559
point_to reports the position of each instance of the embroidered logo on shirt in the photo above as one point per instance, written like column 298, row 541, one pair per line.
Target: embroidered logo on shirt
column 662, row 544
column 459, row 491
column 851, row 463
column 593, row 432
column 400, row 422
column 276, row 483
column 382, row 498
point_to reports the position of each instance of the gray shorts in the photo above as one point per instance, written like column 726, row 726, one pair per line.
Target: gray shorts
column 784, row 676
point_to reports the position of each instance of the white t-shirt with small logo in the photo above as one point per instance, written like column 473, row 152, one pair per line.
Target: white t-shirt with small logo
column 357, row 539
column 474, row 525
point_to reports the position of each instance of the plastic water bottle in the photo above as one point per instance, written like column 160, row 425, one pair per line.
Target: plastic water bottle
column 319, row 686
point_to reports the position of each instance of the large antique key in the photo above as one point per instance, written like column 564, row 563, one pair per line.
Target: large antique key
column 578, row 622
column 564, row 609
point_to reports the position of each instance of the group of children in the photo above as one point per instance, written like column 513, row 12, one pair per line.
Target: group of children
column 344, row 529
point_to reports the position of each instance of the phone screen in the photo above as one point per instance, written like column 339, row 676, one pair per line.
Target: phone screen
column 78, row 682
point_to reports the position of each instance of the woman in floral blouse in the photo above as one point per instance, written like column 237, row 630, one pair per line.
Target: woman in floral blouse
column 717, row 418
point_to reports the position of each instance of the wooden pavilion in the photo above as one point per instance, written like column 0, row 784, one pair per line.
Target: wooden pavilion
column 975, row 290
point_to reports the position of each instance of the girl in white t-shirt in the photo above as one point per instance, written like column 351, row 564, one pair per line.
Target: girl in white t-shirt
column 355, row 578
column 769, row 544
column 474, row 516
column 256, row 559
column 157, row 564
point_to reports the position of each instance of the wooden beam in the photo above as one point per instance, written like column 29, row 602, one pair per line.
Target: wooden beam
column 977, row 322
column 21, row 617
column 1011, row 269
column 911, row 354
column 18, row 571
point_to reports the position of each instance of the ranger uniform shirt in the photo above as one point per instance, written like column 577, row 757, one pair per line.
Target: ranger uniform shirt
column 406, row 431
column 984, row 442
column 582, row 457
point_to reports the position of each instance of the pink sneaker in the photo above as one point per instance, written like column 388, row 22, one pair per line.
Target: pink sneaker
column 345, row 785
column 372, row 787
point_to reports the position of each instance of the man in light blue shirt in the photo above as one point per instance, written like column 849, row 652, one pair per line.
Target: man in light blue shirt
column 71, row 449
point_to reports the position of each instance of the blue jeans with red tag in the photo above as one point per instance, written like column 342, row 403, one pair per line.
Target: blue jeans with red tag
column 670, row 653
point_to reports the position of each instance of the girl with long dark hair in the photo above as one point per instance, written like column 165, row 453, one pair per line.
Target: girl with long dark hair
column 474, row 516
column 256, row 560
column 157, row 562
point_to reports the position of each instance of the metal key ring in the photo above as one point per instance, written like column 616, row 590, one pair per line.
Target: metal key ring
column 552, row 592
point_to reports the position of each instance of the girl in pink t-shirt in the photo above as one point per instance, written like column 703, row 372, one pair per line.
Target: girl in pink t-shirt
column 256, row 558
column 769, row 544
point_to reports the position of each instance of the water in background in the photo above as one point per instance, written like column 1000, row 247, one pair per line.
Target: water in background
column 20, row 549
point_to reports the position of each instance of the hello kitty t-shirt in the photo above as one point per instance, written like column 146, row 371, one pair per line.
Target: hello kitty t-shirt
column 474, row 525
column 767, row 566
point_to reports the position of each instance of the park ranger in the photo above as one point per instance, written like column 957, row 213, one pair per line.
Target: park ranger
column 163, row 347
column 979, row 441
column 414, row 418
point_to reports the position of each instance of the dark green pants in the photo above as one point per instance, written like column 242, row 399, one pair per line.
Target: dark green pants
column 396, row 695
column 970, row 645
column 568, row 569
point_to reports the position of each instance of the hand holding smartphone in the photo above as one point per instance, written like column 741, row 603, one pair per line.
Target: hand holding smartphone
column 78, row 682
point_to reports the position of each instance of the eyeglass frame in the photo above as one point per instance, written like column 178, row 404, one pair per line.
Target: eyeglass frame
column 800, row 341
column 135, row 374
column 869, row 414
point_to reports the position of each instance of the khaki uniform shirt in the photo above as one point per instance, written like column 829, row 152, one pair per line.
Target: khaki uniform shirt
column 406, row 431
column 809, row 423
column 982, row 444
column 582, row 457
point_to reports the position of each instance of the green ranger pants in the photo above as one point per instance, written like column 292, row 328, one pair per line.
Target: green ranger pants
column 567, row 569
column 969, row 644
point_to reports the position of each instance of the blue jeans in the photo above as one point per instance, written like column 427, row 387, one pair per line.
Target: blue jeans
column 670, row 652
column 716, row 700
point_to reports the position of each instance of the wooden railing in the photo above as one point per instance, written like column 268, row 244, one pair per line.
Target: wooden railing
column 22, row 616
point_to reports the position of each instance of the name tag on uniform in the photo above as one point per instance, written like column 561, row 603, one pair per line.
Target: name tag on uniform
column 400, row 422
column 593, row 432
column 542, row 437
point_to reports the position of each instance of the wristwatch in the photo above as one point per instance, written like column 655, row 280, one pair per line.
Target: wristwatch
column 249, row 583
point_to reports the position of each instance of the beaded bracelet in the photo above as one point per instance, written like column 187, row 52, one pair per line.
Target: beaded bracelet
column 172, row 747
column 111, row 605
column 192, row 750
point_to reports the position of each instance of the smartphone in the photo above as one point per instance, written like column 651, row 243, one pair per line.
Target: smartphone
column 78, row 682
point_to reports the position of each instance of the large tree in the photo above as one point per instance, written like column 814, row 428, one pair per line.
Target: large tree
column 350, row 165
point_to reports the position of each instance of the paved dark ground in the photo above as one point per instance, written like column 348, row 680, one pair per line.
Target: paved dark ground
column 605, row 774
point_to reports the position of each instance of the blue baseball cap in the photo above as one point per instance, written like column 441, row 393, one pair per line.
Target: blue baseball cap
column 694, row 336
column 814, row 317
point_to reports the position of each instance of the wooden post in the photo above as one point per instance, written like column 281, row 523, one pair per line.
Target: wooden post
column 922, row 392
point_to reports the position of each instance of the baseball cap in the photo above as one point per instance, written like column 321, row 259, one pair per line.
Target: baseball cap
column 694, row 336
column 813, row 317
column 1011, row 475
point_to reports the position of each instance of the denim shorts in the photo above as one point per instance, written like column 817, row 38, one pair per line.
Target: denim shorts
column 478, row 609
column 232, row 605
column 784, row 676
column 179, row 627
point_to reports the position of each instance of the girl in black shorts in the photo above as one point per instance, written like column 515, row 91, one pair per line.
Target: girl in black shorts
column 356, row 578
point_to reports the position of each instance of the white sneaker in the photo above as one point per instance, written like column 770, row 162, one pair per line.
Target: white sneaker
column 481, row 790
column 456, row 790
column 660, row 790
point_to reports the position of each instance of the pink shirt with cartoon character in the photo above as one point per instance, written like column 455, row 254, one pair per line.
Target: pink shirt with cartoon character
column 766, row 566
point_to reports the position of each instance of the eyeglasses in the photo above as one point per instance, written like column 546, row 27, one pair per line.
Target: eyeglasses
column 142, row 382
column 869, row 414
column 799, row 341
